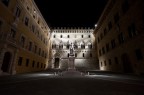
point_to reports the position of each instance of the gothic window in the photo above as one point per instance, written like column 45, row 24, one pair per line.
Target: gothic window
column 82, row 36
column 83, row 55
column 53, row 46
column 90, row 46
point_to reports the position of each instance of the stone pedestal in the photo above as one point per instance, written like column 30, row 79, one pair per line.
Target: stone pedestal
column 71, row 64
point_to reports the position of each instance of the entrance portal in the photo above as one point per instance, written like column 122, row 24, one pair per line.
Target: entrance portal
column 6, row 62
column 126, row 64
column 56, row 63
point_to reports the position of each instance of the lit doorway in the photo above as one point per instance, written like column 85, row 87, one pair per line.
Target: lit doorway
column 127, row 66
column 6, row 62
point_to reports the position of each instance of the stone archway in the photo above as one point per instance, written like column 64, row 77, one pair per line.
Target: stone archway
column 6, row 62
column 56, row 63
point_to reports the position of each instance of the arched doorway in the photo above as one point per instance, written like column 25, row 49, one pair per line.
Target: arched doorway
column 6, row 62
column 56, row 63
column 127, row 66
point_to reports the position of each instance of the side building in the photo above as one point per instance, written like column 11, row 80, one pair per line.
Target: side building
column 24, row 37
column 83, row 41
column 120, row 36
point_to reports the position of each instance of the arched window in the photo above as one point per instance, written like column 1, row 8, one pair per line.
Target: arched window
column 82, row 45
column 61, row 45
column 90, row 45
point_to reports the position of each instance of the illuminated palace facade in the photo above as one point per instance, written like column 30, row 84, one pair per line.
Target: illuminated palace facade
column 83, row 41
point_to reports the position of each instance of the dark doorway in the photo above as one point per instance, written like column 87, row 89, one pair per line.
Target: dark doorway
column 56, row 64
column 127, row 66
column 6, row 62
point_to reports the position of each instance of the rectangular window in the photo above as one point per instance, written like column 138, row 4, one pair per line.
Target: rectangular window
column 113, row 43
column 83, row 55
column 5, row 2
column 1, row 24
column 41, row 65
column 101, row 36
column 18, row 12
column 138, row 54
column 121, row 38
column 33, row 63
column 38, row 65
column 75, row 54
column 27, row 62
column 82, row 36
column 105, row 31
column 105, row 62
column 132, row 30
column 109, row 61
column 68, row 36
column 20, row 61
column 116, row 17
column 100, row 53
column 98, row 39
column 125, row 6
column 30, row 46
column 26, row 21
column 61, row 36
column 89, row 36
column 12, row 33
column 39, row 51
column 107, row 47
column 35, row 49
column 103, row 50
column 22, row 41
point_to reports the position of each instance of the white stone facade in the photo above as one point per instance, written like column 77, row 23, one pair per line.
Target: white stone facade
column 84, row 48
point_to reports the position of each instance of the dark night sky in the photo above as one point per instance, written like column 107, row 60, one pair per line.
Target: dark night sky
column 71, row 13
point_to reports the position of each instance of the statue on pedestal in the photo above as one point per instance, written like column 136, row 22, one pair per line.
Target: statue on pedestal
column 71, row 49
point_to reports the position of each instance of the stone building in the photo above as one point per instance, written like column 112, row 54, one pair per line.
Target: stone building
column 83, row 41
column 24, row 37
column 120, row 36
